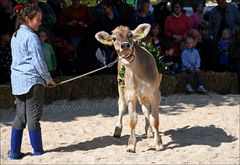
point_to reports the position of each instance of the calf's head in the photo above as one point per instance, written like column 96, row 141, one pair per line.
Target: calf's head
column 122, row 38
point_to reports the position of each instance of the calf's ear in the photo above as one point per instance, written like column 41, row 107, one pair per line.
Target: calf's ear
column 141, row 31
column 104, row 38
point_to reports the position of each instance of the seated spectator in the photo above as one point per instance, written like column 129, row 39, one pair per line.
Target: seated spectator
column 156, row 38
column 74, row 22
column 207, row 49
column 172, row 67
column 48, row 52
column 234, row 57
column 196, row 17
column 176, row 27
column 223, row 46
column 191, row 65
column 5, row 55
column 143, row 15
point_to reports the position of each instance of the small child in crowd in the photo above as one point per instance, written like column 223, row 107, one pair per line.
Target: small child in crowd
column 172, row 67
column 191, row 65
column 223, row 46
column 156, row 39
column 49, row 54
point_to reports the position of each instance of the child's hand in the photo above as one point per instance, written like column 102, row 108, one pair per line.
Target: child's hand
column 192, row 69
column 197, row 69
column 51, row 85
column 169, row 63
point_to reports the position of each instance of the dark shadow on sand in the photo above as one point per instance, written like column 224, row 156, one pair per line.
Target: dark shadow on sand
column 95, row 143
column 197, row 135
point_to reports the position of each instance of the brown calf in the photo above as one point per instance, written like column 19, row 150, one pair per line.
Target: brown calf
column 142, row 81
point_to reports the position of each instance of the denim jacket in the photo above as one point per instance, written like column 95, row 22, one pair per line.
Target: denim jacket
column 28, row 66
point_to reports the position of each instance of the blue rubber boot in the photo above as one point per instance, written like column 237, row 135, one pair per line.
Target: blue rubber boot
column 36, row 142
column 16, row 142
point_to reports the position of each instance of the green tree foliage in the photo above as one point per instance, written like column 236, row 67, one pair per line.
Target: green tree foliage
column 21, row 1
column 87, row 2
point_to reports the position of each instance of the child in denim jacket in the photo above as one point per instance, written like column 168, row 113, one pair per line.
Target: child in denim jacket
column 191, row 65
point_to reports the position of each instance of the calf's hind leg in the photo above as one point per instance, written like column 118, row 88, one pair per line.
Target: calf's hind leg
column 155, row 123
column 148, row 128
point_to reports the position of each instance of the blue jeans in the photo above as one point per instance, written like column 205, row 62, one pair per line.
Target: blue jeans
column 191, row 74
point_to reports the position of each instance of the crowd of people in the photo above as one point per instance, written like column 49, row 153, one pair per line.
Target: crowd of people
column 69, row 47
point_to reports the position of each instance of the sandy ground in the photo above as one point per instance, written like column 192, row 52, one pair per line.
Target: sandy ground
column 196, row 129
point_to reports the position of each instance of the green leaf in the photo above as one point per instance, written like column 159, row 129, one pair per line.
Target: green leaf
column 159, row 59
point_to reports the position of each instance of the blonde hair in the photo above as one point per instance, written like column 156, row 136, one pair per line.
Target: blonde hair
column 229, row 32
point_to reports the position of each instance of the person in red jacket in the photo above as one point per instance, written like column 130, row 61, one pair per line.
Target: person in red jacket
column 176, row 27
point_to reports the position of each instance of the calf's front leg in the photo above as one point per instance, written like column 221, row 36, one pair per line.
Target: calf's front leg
column 133, row 122
column 121, row 110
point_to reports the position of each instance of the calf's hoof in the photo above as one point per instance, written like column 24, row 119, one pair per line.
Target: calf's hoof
column 160, row 148
column 117, row 132
column 131, row 148
column 150, row 135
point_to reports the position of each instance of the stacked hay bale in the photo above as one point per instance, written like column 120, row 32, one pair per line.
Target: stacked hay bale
column 106, row 86
column 6, row 97
column 222, row 83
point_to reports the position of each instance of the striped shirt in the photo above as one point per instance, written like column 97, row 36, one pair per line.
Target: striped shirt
column 28, row 66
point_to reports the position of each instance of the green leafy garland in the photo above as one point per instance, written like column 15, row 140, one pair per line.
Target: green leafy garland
column 121, row 76
column 156, row 54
